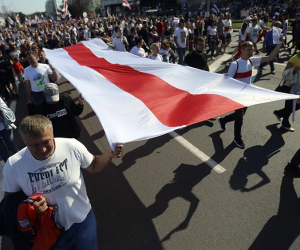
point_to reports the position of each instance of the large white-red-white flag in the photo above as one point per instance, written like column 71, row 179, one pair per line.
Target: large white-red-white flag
column 10, row 20
column 136, row 98
column 37, row 19
column 126, row 4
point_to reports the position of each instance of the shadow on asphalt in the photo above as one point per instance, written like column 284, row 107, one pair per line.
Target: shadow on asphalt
column 253, row 161
column 282, row 229
column 186, row 177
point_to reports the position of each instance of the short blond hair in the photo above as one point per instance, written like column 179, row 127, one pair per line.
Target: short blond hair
column 246, row 44
column 34, row 125
column 153, row 45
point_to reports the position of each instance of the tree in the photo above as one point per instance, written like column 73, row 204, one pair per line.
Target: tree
column 78, row 7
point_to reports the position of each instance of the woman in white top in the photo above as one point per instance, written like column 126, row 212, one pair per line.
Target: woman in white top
column 6, row 136
column 15, row 53
column 212, row 38
column 242, row 38
column 154, row 53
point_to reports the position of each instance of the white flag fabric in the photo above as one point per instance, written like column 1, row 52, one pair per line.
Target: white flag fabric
column 136, row 98
column 65, row 8
column 10, row 20
column 126, row 4
column 18, row 19
column 37, row 18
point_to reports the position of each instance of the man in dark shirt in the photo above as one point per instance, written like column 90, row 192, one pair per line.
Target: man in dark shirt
column 132, row 38
column 197, row 58
column 144, row 34
column 60, row 109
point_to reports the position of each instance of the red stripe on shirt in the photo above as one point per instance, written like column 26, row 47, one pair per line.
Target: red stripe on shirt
column 171, row 106
column 244, row 74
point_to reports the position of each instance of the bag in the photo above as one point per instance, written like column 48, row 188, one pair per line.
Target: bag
column 282, row 88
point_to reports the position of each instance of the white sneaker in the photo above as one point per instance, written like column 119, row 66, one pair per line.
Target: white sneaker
column 212, row 58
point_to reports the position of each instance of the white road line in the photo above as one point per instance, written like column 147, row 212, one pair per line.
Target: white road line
column 189, row 146
column 199, row 154
column 216, row 64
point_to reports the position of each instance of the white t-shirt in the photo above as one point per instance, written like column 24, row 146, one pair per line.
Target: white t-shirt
column 156, row 58
column 58, row 179
column 138, row 51
column 38, row 77
column 165, row 54
column 118, row 43
column 181, row 35
column 212, row 31
column 253, row 31
column 175, row 24
column 227, row 26
column 244, row 71
column 243, row 37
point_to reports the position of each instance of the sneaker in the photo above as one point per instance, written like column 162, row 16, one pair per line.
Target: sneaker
column 212, row 58
column 239, row 142
column 222, row 125
column 277, row 116
column 225, row 50
column 273, row 72
column 289, row 129
column 262, row 68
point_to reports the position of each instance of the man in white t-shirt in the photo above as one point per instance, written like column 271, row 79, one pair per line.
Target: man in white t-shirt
column 242, row 71
column 120, row 42
column 227, row 29
column 181, row 40
column 51, row 167
column 36, row 76
column 138, row 50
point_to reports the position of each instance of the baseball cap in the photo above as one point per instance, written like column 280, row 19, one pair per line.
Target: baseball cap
column 248, row 18
column 51, row 92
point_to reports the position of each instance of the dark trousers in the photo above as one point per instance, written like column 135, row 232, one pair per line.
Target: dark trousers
column 286, row 112
column 237, row 117
column 269, row 51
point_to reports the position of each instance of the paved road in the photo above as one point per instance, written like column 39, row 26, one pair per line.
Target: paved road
column 161, row 196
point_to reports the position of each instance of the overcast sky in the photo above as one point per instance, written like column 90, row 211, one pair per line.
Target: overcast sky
column 25, row 6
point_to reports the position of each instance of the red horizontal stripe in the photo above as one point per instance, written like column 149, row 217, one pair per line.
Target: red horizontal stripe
column 244, row 75
column 171, row 106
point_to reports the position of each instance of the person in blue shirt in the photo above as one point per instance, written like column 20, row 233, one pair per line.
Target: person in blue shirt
column 269, row 46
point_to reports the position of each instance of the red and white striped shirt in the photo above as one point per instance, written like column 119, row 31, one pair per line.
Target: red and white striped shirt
column 242, row 70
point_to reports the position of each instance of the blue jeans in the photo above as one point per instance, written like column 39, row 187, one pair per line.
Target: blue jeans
column 8, row 137
column 269, row 50
column 81, row 235
column 181, row 53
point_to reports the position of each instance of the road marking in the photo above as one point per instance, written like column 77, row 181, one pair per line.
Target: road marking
column 199, row 154
column 216, row 64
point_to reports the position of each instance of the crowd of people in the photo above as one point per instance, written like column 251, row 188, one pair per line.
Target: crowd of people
column 186, row 41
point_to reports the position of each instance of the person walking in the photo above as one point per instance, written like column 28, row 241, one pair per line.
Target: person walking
column 181, row 39
column 51, row 167
column 242, row 71
column 283, row 114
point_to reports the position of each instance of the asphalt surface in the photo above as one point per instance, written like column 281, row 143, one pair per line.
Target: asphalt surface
column 160, row 196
